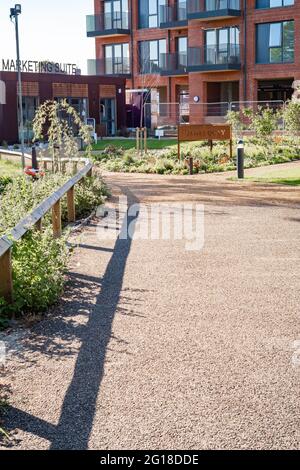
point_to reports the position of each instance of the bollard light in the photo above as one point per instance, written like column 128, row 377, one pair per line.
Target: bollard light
column 240, row 159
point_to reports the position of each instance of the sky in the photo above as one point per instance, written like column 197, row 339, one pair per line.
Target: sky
column 53, row 30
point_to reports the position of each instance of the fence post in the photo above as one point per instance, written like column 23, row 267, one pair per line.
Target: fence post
column 34, row 162
column 71, row 205
column 145, row 140
column 6, row 283
column 137, row 140
column 56, row 219
column 38, row 225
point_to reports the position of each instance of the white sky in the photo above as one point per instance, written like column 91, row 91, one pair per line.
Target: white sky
column 52, row 30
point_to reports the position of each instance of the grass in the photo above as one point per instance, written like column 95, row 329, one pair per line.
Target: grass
column 126, row 144
column 8, row 168
column 289, row 176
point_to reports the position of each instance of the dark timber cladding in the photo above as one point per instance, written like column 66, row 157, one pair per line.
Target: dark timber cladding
column 47, row 86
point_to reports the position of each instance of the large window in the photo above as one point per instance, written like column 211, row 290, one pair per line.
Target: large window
column 149, row 12
column 116, row 14
column 273, row 3
column 117, row 59
column 275, row 42
column 222, row 45
column 150, row 52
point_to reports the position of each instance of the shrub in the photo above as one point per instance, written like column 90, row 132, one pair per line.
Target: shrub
column 291, row 116
column 39, row 264
column 4, row 181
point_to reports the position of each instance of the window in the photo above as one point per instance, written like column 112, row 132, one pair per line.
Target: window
column 274, row 3
column 181, row 46
column 275, row 42
column 222, row 45
column 150, row 52
column 149, row 12
column 117, row 59
column 116, row 14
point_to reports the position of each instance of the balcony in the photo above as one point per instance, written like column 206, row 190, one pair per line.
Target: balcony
column 109, row 25
column 117, row 67
column 219, row 58
column 173, row 64
column 207, row 10
column 173, row 17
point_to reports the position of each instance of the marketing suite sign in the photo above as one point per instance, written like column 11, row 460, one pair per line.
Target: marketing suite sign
column 35, row 66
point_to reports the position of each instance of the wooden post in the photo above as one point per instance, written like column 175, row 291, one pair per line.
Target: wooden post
column 145, row 140
column 142, row 140
column 56, row 219
column 38, row 225
column 137, row 140
column 230, row 145
column 178, row 144
column 6, row 283
column 71, row 205
column 211, row 145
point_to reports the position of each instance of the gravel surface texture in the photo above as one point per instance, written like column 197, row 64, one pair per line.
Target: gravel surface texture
column 157, row 347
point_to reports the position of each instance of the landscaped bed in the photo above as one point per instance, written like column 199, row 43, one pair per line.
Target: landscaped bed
column 39, row 261
column 258, row 152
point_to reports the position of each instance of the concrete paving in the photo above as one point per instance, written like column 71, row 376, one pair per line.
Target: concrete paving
column 156, row 347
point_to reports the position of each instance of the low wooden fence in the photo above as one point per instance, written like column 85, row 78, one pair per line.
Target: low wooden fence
column 34, row 219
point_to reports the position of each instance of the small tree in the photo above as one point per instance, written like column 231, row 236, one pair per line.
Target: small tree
column 54, row 122
column 291, row 116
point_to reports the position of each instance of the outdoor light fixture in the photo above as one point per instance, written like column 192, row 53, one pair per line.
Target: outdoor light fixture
column 14, row 13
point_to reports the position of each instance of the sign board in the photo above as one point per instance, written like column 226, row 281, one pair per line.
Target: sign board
column 193, row 132
column 35, row 66
column 210, row 132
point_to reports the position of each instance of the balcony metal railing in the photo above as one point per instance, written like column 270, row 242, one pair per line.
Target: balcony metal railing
column 221, row 54
column 174, row 63
column 117, row 66
column 173, row 14
column 103, row 24
column 203, row 6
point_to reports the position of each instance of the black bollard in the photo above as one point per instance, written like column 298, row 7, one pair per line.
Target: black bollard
column 34, row 162
column 240, row 159
column 191, row 165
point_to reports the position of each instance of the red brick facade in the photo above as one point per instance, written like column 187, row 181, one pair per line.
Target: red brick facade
column 246, row 79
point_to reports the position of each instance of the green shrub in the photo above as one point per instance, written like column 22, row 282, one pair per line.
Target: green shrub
column 4, row 181
column 39, row 264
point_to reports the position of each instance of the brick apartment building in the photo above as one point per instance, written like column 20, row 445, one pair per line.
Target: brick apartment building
column 199, row 51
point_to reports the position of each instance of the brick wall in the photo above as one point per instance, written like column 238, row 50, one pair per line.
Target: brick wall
column 247, row 76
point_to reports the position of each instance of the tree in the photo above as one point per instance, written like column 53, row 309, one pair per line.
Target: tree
column 59, row 124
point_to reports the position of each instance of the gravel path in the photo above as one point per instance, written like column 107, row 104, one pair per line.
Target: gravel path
column 156, row 347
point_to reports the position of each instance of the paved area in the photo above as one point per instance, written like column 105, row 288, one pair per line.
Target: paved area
column 156, row 347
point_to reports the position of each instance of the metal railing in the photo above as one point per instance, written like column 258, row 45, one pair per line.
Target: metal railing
column 34, row 219
column 201, row 6
column 107, row 22
column 173, row 62
column 117, row 66
column 221, row 54
column 171, row 14
column 169, row 115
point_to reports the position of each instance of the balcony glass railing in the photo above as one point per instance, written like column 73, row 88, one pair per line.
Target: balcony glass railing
column 108, row 66
column 221, row 54
column 203, row 6
column 173, row 14
column 102, row 24
column 173, row 63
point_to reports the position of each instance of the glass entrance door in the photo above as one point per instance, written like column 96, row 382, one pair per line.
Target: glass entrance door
column 108, row 115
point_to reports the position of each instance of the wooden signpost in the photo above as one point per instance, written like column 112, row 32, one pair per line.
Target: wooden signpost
column 209, row 132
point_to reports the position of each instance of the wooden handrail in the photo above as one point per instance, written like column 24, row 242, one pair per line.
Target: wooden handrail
column 34, row 219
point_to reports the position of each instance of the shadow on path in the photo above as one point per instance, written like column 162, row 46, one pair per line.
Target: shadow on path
column 78, row 409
